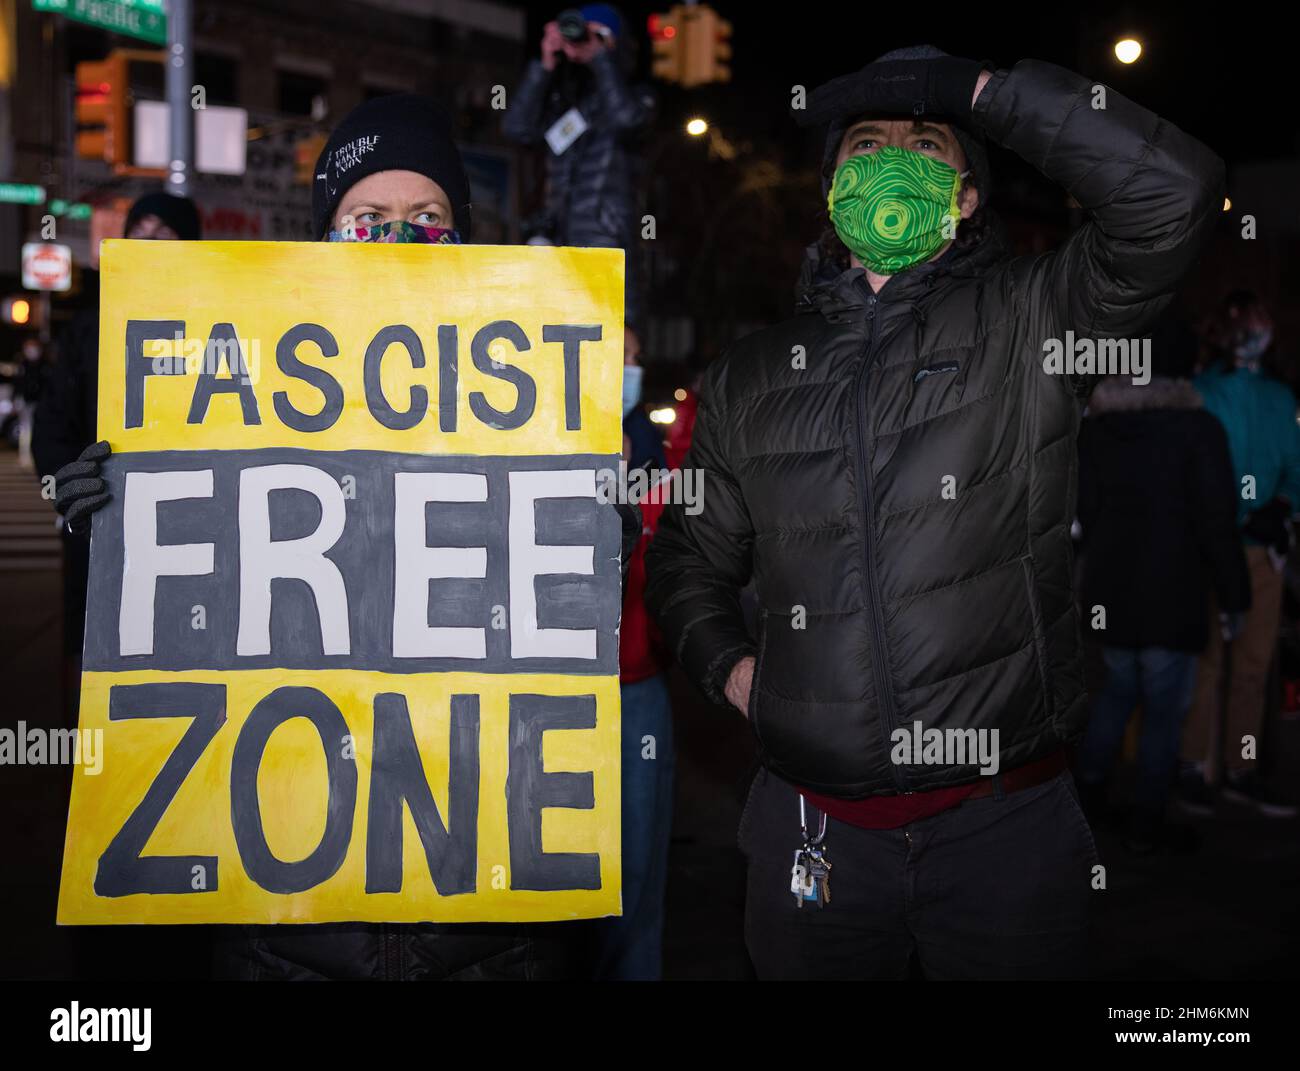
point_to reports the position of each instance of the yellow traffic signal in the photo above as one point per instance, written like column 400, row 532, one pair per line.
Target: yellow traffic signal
column 101, row 110
column 668, row 44
column 701, row 42
column 721, row 38
column 17, row 311
column 104, row 105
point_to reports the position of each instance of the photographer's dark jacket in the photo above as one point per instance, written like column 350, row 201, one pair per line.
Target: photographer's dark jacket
column 591, row 187
column 896, row 471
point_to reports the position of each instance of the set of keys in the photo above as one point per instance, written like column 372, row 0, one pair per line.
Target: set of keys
column 810, row 877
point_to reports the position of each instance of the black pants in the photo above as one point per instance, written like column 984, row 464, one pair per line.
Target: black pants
column 995, row 888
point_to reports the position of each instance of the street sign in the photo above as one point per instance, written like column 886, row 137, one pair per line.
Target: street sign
column 47, row 266
column 144, row 19
column 21, row 193
column 220, row 137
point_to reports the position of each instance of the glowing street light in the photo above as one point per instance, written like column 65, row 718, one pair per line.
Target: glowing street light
column 1128, row 49
column 666, row 415
column 696, row 127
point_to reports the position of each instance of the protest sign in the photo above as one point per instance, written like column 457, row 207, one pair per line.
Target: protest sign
column 352, row 626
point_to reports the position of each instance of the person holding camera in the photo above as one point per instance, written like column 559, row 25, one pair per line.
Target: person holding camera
column 576, row 99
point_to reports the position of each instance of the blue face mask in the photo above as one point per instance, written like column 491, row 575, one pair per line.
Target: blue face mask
column 631, row 387
column 1252, row 345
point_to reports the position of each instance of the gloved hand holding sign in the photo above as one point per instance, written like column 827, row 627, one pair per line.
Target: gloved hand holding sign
column 79, row 490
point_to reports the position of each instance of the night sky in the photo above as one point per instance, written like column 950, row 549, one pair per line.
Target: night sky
column 1226, row 73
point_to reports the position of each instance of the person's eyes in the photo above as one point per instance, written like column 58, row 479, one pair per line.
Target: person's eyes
column 864, row 145
column 429, row 218
column 367, row 219
column 925, row 145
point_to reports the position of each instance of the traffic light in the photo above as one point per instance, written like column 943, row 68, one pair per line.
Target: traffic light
column 692, row 45
column 719, row 35
column 668, row 44
column 21, row 311
column 103, row 131
column 105, row 104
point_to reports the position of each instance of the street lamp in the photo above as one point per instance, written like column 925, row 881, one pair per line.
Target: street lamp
column 697, row 127
column 1128, row 49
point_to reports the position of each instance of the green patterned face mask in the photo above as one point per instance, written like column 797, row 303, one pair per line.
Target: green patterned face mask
column 890, row 207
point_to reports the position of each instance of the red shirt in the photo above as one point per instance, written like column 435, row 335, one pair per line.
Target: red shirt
column 891, row 812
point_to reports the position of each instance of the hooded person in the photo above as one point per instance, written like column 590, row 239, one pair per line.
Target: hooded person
column 894, row 469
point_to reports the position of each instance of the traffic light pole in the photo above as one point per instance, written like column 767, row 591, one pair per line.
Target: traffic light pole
column 179, row 86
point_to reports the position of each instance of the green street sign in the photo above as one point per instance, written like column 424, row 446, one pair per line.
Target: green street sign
column 20, row 193
column 144, row 19
column 72, row 209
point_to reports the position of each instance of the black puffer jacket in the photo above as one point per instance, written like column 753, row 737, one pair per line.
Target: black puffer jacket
column 591, row 194
column 828, row 442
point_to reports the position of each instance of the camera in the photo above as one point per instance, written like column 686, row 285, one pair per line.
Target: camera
column 572, row 25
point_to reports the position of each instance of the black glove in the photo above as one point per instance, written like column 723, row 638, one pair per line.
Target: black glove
column 630, row 515
column 1270, row 525
column 79, row 490
column 941, row 88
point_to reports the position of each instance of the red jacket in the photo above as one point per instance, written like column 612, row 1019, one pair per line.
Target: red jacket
column 641, row 651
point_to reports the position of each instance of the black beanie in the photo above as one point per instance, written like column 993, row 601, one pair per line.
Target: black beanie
column 401, row 132
column 179, row 213
column 971, row 142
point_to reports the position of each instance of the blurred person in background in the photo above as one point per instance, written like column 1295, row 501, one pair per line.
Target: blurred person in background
column 577, row 100
column 1259, row 415
column 63, row 439
column 1158, row 509
column 630, row 947
column 31, row 373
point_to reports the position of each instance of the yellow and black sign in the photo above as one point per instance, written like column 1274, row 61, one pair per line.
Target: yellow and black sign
column 352, row 628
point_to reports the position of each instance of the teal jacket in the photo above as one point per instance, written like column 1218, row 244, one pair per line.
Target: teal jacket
column 1259, row 415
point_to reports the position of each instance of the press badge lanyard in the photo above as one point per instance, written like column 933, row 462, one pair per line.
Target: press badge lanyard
column 810, row 877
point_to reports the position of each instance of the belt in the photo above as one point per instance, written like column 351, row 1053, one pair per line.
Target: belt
column 1022, row 777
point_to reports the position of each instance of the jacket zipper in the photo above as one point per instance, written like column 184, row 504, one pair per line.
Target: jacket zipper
column 879, row 662
column 392, row 953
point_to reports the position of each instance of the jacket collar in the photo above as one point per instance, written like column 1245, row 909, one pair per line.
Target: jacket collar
column 841, row 296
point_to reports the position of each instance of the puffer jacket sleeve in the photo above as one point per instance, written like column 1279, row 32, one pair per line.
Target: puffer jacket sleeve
column 522, row 122
column 697, row 564
column 1151, row 192
column 622, row 106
